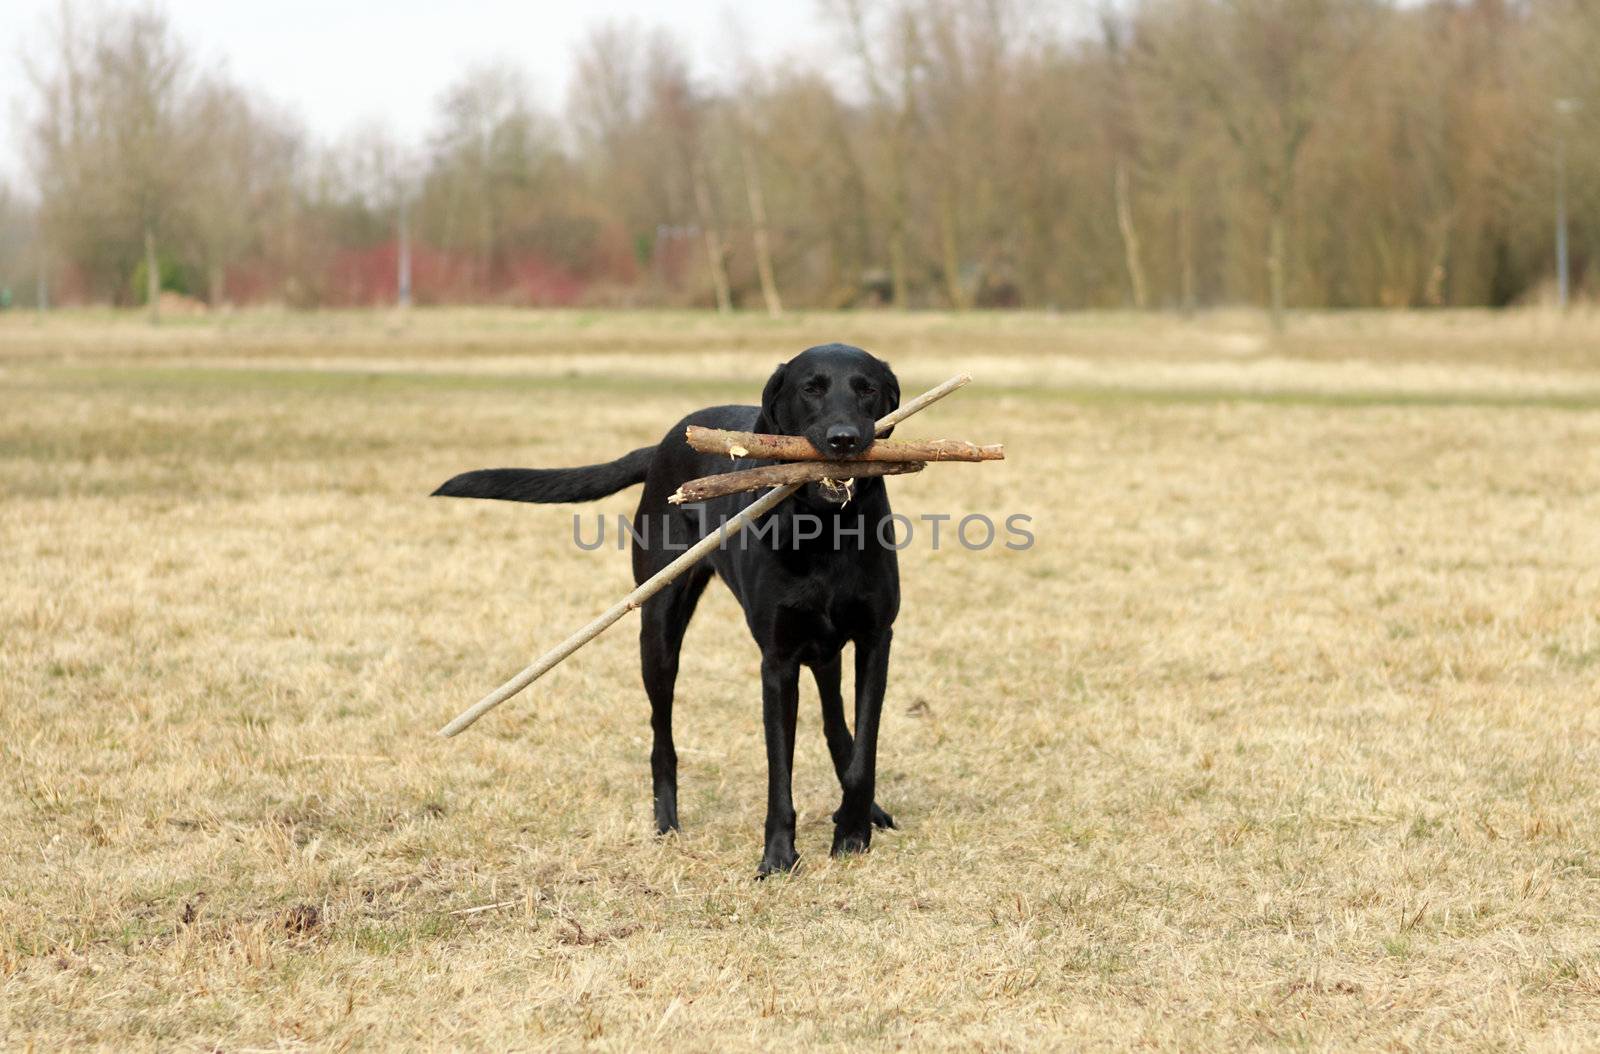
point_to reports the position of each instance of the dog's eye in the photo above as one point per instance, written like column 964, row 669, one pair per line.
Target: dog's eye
column 815, row 386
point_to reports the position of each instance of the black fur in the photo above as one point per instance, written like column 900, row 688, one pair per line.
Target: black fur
column 803, row 598
column 550, row 484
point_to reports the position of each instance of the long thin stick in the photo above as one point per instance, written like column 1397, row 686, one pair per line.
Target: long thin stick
column 798, row 448
column 656, row 582
column 707, row 487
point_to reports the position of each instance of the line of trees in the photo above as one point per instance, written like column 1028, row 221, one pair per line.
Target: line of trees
column 953, row 153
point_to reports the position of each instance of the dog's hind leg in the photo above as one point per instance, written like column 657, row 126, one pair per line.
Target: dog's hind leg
column 664, row 618
column 840, row 744
column 852, row 830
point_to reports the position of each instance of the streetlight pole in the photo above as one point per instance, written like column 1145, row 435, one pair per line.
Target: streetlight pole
column 41, row 267
column 403, row 262
column 1564, row 108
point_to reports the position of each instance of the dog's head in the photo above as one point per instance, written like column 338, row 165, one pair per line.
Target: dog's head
column 832, row 395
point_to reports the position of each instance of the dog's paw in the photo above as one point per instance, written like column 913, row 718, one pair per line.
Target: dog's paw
column 778, row 860
column 880, row 819
column 845, row 842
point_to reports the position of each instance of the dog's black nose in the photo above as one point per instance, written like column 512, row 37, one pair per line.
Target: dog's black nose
column 842, row 439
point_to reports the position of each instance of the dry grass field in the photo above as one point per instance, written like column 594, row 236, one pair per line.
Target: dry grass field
column 1285, row 734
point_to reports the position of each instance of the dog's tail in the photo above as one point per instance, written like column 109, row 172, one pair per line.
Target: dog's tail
column 547, row 485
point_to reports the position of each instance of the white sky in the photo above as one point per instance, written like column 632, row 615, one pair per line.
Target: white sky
column 341, row 63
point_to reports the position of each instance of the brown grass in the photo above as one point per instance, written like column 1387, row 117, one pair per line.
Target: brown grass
column 1284, row 734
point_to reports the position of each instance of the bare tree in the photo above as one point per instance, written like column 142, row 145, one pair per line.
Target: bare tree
column 890, row 83
column 379, row 172
column 111, row 139
column 682, row 114
column 644, row 131
column 817, row 178
column 716, row 248
column 19, row 243
column 1122, row 128
column 1268, row 68
column 759, row 238
column 493, row 152
column 979, row 152
column 606, row 110
column 243, row 174
column 741, row 119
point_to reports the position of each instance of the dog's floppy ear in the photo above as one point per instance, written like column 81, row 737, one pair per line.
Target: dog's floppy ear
column 888, row 395
column 767, row 420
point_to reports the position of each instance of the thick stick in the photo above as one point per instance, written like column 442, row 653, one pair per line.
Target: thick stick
column 654, row 584
column 707, row 487
column 798, row 448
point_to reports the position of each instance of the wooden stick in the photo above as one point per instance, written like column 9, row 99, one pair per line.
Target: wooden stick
column 798, row 448
column 707, row 487
column 656, row 582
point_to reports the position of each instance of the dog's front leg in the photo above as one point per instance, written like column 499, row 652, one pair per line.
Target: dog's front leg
column 780, row 699
column 852, row 830
column 841, row 745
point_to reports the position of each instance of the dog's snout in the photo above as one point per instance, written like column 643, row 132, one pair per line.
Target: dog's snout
column 842, row 439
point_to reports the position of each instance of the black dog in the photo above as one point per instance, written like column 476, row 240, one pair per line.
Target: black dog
column 806, row 587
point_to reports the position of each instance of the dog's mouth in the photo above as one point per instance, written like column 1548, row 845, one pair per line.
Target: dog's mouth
column 837, row 491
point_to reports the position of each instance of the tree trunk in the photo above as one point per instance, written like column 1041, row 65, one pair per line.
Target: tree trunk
column 899, row 278
column 1276, row 248
column 215, row 281
column 758, row 235
column 1130, row 236
column 951, row 252
column 486, row 259
column 1434, row 283
column 713, row 239
column 1186, row 251
column 901, row 291
column 152, row 275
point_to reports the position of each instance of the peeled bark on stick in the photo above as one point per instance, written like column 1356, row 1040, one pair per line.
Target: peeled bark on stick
column 707, row 487
column 659, row 581
column 798, row 448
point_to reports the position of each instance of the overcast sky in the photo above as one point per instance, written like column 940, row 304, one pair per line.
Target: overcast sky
column 339, row 64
